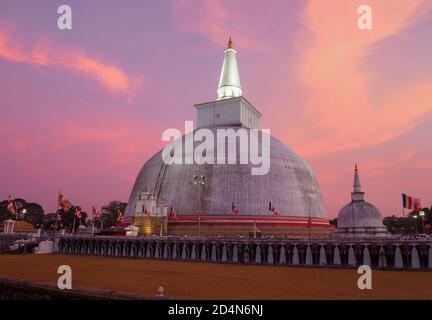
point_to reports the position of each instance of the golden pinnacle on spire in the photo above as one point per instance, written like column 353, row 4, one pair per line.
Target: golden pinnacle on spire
column 230, row 43
column 356, row 168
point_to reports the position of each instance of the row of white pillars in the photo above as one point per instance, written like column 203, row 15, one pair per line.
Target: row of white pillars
column 163, row 253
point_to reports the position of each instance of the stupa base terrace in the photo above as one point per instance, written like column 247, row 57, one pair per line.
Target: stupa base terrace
column 246, row 226
column 326, row 252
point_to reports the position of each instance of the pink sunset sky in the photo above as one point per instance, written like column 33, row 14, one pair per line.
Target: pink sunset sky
column 82, row 110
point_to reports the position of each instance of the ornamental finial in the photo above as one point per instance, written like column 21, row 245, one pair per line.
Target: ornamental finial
column 230, row 43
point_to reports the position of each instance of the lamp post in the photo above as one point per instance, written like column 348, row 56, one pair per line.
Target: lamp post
column 422, row 214
column 309, row 213
column 200, row 181
column 415, row 223
column 308, row 201
column 160, row 229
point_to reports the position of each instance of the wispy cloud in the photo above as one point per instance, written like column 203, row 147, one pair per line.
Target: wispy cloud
column 76, row 60
column 216, row 20
column 332, row 70
column 424, row 164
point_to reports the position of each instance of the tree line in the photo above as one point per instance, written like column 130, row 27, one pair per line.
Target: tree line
column 34, row 214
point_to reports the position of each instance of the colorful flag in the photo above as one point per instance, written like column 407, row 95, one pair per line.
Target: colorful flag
column 407, row 201
column 234, row 208
column 174, row 214
column 63, row 203
column 11, row 205
column 309, row 224
column 59, row 200
column 145, row 211
column 119, row 216
column 96, row 213
column 66, row 205
column 416, row 204
column 273, row 208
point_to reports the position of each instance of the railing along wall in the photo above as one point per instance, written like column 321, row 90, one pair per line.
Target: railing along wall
column 412, row 254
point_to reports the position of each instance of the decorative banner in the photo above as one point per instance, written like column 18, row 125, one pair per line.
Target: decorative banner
column 407, row 201
column 417, row 204
column 234, row 208
column 96, row 213
column 63, row 203
column 119, row 215
column 11, row 205
column 174, row 214
column 273, row 208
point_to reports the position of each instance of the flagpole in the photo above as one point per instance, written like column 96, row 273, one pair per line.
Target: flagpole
column 160, row 224
column 73, row 225
column 199, row 222
column 235, row 212
column 403, row 204
column 310, row 221
column 55, row 218
column 232, row 218
column 200, row 181
column 92, row 222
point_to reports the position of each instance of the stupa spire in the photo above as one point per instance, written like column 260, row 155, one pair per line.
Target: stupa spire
column 357, row 194
column 229, row 82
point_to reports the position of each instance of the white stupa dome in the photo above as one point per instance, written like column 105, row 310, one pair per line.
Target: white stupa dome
column 360, row 218
column 290, row 184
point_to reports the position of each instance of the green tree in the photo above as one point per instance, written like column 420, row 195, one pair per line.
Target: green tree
column 33, row 213
column 28, row 211
column 67, row 218
column 333, row 222
column 397, row 225
column 420, row 221
column 109, row 213
column 407, row 224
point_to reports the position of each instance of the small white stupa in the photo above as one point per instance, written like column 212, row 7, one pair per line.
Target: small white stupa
column 359, row 218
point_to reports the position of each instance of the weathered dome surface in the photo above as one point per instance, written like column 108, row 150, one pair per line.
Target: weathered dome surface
column 290, row 185
column 360, row 214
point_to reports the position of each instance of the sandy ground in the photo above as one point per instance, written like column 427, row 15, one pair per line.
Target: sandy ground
column 186, row 280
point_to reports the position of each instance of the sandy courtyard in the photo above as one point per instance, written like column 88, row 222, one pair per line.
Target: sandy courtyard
column 186, row 280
